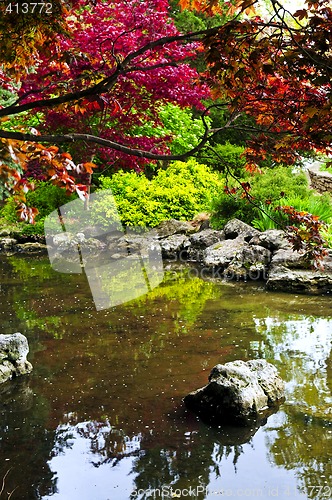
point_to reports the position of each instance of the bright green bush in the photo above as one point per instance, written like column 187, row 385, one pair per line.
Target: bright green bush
column 179, row 192
column 178, row 125
column 274, row 184
column 228, row 157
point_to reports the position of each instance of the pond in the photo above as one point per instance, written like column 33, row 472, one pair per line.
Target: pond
column 101, row 415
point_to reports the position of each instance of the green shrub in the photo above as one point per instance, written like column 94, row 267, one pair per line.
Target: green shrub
column 46, row 198
column 273, row 184
column 179, row 192
column 9, row 211
column 327, row 235
column 314, row 204
column 228, row 156
column 182, row 130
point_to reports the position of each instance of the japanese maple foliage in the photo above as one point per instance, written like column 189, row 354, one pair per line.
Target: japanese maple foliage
column 101, row 38
column 111, row 66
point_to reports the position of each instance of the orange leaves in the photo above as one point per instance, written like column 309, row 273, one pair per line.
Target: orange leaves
column 209, row 7
column 89, row 166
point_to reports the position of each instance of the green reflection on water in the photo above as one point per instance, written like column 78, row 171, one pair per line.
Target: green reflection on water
column 114, row 380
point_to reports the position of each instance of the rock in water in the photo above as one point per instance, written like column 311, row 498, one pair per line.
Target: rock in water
column 13, row 352
column 238, row 393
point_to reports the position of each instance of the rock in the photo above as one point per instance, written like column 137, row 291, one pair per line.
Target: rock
column 251, row 262
column 69, row 243
column 4, row 233
column 203, row 239
column 289, row 258
column 272, row 239
column 238, row 393
column 235, row 228
column 299, row 280
column 13, row 352
column 133, row 244
column 221, row 254
column 8, row 243
column 31, row 247
column 175, row 246
column 60, row 238
column 169, row 227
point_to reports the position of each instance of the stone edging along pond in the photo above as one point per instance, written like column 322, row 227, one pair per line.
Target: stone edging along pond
column 238, row 252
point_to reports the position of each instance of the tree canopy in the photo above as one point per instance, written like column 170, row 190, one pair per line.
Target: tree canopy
column 79, row 81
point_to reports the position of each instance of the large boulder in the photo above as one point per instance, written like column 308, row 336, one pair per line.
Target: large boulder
column 272, row 239
column 175, row 246
column 251, row 262
column 221, row 254
column 238, row 393
column 235, row 228
column 169, row 227
column 289, row 272
column 14, row 349
column 203, row 239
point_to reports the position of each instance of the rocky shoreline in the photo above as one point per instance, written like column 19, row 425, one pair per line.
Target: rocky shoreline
column 238, row 252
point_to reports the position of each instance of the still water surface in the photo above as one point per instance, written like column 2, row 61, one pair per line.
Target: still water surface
column 101, row 415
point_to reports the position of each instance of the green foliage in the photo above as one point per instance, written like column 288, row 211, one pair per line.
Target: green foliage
column 326, row 167
column 9, row 211
column 179, row 192
column 327, row 235
column 314, row 204
column 269, row 218
column 182, row 131
column 46, row 198
column 228, row 157
column 273, row 185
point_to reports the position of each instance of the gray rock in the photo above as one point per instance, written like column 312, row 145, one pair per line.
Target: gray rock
column 203, row 239
column 235, row 228
column 309, row 281
column 290, row 271
column 8, row 243
column 4, row 233
column 169, row 227
column 174, row 246
column 133, row 244
column 60, row 238
column 272, row 239
column 238, row 392
column 251, row 263
column 13, row 352
column 289, row 258
column 221, row 254
column 206, row 238
column 32, row 247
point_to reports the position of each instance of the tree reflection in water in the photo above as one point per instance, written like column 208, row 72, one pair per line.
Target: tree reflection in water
column 101, row 416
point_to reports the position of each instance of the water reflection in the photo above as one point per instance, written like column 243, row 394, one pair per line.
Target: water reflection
column 101, row 414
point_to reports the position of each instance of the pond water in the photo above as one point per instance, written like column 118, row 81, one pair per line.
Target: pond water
column 101, row 415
